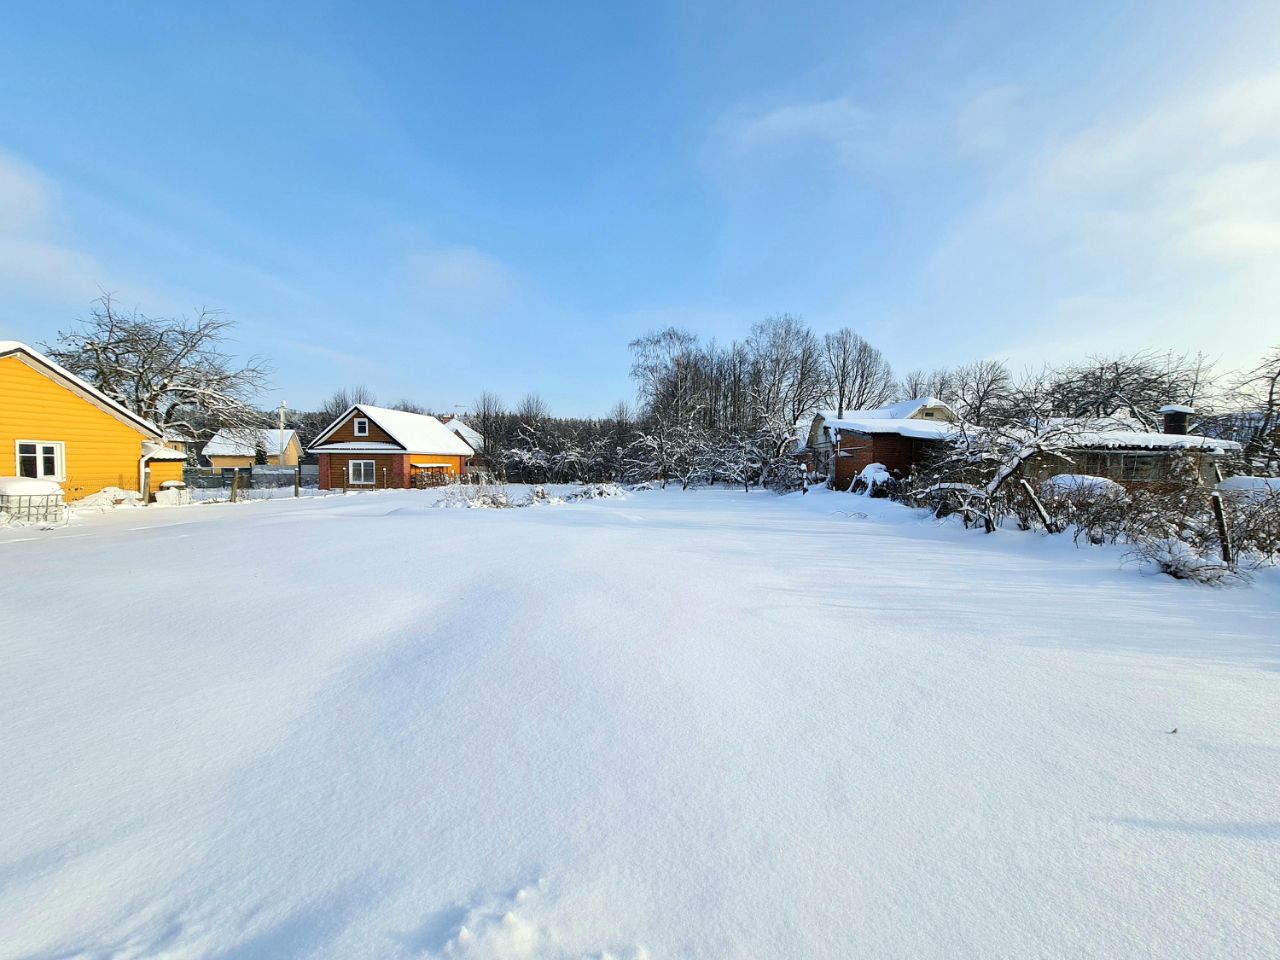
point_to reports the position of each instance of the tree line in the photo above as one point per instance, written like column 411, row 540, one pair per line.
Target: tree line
column 703, row 411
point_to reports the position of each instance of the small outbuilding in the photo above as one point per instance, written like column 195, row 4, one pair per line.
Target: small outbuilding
column 230, row 450
column 899, row 436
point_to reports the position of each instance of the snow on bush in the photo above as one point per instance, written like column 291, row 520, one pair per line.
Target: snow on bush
column 597, row 491
column 1067, row 484
column 1182, row 562
column 476, row 496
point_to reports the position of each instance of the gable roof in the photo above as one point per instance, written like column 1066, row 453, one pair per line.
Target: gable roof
column 469, row 435
column 81, row 388
column 414, row 432
column 902, row 410
column 896, row 418
column 244, row 443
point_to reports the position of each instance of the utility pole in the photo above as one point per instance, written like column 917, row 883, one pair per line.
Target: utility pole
column 280, row 461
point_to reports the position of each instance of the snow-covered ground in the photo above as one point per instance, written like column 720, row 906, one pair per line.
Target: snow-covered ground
column 676, row 725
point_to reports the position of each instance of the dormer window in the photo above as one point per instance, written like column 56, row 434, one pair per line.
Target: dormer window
column 361, row 426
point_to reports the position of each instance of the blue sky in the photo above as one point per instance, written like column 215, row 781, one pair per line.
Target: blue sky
column 439, row 199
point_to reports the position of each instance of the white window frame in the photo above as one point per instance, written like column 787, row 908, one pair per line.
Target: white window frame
column 373, row 473
column 59, row 459
column 360, row 426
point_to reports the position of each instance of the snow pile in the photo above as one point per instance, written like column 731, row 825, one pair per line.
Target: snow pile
column 108, row 498
column 874, row 474
column 1251, row 486
column 1078, row 484
column 28, row 487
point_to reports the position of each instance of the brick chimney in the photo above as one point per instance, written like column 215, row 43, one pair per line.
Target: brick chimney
column 1176, row 417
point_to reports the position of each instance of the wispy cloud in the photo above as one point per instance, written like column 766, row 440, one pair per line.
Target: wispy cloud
column 1196, row 178
column 838, row 124
column 35, row 260
column 456, row 279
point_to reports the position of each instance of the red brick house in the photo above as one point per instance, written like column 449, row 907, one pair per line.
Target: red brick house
column 899, row 436
column 370, row 447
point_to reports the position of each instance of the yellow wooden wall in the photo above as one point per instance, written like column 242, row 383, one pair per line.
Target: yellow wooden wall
column 101, row 451
column 163, row 471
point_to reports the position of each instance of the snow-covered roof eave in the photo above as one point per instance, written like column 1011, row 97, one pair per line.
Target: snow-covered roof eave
column 1124, row 440
column 917, row 429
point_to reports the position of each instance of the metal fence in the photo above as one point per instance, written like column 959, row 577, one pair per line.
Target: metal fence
column 39, row 508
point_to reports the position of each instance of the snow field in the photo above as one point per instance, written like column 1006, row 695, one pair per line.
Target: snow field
column 681, row 725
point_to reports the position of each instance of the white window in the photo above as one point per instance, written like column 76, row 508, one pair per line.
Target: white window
column 361, row 427
column 360, row 471
column 42, row 459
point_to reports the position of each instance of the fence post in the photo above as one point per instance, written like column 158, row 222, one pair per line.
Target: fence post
column 1224, row 535
column 235, row 482
column 1040, row 510
column 384, row 478
column 344, row 480
column 297, row 480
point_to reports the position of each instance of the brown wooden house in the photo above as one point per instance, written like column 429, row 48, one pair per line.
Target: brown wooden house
column 899, row 436
column 370, row 447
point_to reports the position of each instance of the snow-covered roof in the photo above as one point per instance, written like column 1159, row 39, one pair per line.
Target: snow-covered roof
column 920, row 429
column 896, row 418
column 470, row 436
column 245, row 443
column 1145, row 440
column 413, row 432
column 902, row 410
column 1121, row 432
column 83, row 388
column 1260, row 486
column 158, row 451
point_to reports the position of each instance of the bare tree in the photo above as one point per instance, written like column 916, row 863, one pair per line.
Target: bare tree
column 1256, row 399
column 939, row 383
column 533, row 410
column 1135, row 384
column 344, row 398
column 859, row 376
column 175, row 372
column 788, row 369
column 981, row 390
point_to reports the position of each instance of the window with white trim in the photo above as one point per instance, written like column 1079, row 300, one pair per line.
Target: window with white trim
column 361, row 471
column 360, row 426
column 42, row 459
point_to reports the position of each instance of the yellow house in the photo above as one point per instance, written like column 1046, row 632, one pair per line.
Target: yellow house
column 55, row 426
column 239, row 449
